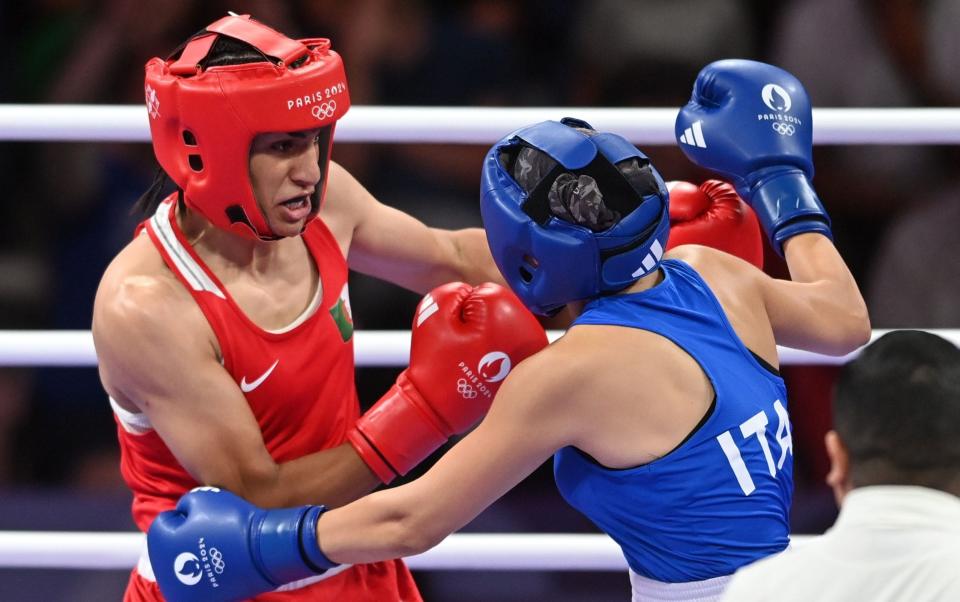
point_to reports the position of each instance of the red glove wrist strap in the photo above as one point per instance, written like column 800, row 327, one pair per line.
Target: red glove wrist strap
column 398, row 432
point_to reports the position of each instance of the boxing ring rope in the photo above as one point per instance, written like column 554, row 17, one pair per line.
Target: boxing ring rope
column 484, row 125
column 460, row 551
column 389, row 348
column 105, row 551
column 379, row 124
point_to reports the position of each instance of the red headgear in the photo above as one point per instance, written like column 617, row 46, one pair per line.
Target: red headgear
column 203, row 121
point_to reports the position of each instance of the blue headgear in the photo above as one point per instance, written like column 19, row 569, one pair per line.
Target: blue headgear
column 549, row 261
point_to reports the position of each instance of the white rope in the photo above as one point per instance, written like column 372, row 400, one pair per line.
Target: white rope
column 371, row 348
column 461, row 551
column 485, row 125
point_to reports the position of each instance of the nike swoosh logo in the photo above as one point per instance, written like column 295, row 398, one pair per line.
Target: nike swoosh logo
column 247, row 387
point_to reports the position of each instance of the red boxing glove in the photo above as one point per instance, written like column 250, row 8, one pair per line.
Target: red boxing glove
column 465, row 340
column 714, row 215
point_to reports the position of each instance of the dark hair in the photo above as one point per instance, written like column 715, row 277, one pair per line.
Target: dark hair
column 224, row 51
column 897, row 410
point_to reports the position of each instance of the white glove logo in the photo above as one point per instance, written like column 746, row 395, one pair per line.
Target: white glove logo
column 494, row 366
column 186, row 567
column 427, row 308
column 776, row 98
column 465, row 390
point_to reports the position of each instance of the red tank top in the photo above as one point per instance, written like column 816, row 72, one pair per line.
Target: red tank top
column 299, row 383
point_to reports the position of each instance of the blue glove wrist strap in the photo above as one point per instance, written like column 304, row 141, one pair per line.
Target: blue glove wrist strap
column 276, row 547
column 786, row 205
column 310, row 543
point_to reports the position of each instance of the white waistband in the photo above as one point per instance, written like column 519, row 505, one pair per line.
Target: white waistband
column 145, row 570
column 649, row 590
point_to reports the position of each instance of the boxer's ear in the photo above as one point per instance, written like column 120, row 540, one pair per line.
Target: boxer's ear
column 839, row 476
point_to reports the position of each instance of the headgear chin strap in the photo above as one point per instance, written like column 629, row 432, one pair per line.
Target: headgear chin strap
column 548, row 261
column 203, row 121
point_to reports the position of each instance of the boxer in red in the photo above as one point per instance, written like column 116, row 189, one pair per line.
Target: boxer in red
column 223, row 330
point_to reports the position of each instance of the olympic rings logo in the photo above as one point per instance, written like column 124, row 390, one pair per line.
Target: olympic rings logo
column 324, row 110
column 784, row 129
column 216, row 560
column 153, row 103
column 465, row 389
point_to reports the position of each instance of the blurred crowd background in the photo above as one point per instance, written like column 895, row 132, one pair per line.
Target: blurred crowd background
column 67, row 206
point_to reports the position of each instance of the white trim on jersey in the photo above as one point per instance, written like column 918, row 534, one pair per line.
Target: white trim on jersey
column 186, row 265
column 305, row 315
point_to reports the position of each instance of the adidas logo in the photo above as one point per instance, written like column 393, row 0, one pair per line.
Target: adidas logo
column 693, row 135
column 650, row 261
column 427, row 308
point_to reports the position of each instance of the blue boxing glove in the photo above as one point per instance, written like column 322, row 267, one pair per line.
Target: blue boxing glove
column 217, row 546
column 752, row 123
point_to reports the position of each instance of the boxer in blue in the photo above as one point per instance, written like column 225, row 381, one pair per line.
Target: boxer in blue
column 662, row 405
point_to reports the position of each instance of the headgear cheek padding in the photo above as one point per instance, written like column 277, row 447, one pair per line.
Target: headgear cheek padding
column 203, row 121
column 549, row 261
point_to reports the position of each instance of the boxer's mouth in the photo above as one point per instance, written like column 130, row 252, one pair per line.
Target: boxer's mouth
column 296, row 202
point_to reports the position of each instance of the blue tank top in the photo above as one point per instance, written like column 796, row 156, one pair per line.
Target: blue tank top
column 721, row 499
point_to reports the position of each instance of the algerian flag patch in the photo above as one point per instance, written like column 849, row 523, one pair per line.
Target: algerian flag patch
column 342, row 315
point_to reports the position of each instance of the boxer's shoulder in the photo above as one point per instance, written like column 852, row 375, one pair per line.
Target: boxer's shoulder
column 138, row 278
column 705, row 260
column 735, row 283
column 688, row 253
column 140, row 299
column 711, row 263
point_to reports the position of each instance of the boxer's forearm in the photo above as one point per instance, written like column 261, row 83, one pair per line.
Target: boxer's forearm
column 822, row 309
column 367, row 533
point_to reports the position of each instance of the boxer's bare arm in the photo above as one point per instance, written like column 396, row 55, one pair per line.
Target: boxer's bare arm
column 820, row 309
column 533, row 415
column 158, row 355
column 386, row 243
